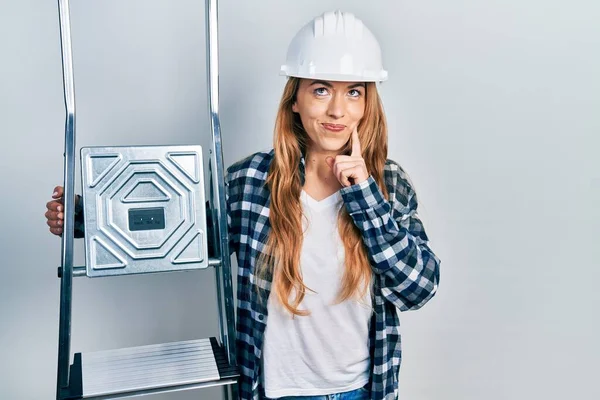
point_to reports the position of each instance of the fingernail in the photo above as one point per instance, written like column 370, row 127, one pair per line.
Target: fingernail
column 54, row 194
column 59, row 208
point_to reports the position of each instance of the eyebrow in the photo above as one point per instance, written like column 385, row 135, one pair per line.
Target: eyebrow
column 329, row 85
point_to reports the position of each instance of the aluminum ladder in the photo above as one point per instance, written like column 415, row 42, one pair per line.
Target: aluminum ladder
column 222, row 351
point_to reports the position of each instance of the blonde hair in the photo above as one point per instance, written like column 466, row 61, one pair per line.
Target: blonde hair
column 282, row 252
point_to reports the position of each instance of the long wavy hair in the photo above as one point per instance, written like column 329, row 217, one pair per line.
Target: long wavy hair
column 281, row 256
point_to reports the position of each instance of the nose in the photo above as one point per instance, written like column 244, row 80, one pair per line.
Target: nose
column 336, row 106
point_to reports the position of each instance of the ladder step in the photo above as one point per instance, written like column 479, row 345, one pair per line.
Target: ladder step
column 150, row 369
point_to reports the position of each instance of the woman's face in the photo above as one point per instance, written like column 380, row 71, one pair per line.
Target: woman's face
column 329, row 112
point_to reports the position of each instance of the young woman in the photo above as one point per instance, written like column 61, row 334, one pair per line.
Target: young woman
column 325, row 229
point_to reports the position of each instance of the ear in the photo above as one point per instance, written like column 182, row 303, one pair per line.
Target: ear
column 295, row 106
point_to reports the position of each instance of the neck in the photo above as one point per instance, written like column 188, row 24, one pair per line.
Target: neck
column 316, row 167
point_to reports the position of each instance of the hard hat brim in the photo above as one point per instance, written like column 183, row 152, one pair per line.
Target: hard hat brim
column 338, row 77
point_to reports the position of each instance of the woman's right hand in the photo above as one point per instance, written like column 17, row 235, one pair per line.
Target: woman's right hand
column 55, row 215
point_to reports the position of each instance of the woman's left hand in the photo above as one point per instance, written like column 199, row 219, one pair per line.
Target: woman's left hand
column 350, row 170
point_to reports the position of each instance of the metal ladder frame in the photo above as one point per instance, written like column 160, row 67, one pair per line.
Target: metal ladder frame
column 217, row 211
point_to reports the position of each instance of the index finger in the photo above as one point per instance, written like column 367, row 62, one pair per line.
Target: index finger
column 356, row 149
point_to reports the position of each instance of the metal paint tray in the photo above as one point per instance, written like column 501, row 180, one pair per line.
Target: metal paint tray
column 144, row 209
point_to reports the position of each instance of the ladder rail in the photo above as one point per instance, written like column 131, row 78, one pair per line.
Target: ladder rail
column 219, row 212
column 66, row 283
column 223, row 272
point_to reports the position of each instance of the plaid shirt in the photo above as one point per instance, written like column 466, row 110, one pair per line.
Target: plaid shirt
column 406, row 271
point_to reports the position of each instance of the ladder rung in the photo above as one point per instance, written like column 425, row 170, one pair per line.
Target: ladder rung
column 149, row 369
column 81, row 270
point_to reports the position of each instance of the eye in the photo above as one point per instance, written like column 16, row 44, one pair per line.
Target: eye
column 321, row 91
column 355, row 93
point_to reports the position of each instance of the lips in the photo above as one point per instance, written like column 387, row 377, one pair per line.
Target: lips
column 334, row 127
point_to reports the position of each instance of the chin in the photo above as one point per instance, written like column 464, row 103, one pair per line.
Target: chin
column 330, row 143
column 334, row 146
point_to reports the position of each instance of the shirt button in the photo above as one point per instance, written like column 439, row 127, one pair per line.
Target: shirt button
column 261, row 317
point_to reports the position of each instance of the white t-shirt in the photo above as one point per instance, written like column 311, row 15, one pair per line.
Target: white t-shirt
column 327, row 351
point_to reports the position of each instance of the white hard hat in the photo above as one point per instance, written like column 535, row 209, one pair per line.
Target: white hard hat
column 335, row 46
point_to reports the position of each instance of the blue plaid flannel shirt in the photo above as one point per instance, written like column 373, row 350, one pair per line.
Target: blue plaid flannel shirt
column 406, row 271
column 405, row 268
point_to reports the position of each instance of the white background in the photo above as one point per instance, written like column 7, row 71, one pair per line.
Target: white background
column 492, row 109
